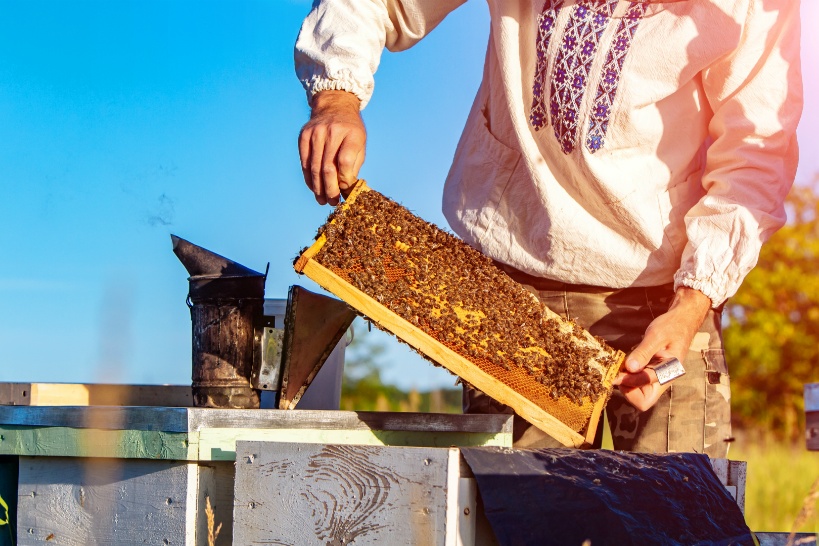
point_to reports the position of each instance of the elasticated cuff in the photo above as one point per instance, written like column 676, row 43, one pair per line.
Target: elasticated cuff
column 317, row 84
column 706, row 286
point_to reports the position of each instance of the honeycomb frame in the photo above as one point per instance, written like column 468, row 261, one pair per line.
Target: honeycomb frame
column 573, row 424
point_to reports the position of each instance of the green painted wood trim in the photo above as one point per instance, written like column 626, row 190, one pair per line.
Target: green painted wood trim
column 9, row 472
column 216, row 444
column 74, row 442
column 220, row 444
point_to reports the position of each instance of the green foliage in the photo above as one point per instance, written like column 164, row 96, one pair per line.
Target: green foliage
column 772, row 337
column 364, row 390
column 6, row 521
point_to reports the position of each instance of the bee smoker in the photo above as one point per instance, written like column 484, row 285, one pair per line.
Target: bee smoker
column 239, row 350
column 226, row 301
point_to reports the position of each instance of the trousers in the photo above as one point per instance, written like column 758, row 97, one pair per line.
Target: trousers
column 694, row 415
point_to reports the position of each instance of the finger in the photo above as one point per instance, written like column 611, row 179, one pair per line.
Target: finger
column 356, row 169
column 359, row 159
column 639, row 379
column 317, row 148
column 304, row 156
column 345, row 193
column 643, row 398
column 329, row 171
column 642, row 354
column 351, row 148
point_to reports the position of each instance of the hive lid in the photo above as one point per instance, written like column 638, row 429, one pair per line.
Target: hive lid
column 314, row 325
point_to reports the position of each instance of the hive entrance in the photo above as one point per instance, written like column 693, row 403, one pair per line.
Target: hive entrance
column 458, row 309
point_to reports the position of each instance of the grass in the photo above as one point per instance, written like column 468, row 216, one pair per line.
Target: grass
column 213, row 530
column 779, row 479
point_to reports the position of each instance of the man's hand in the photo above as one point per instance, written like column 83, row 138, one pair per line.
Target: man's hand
column 331, row 145
column 670, row 334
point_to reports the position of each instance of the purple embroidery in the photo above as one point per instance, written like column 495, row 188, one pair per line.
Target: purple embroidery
column 585, row 27
column 546, row 24
column 607, row 90
column 571, row 70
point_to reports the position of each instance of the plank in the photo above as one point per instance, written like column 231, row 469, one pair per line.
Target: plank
column 82, row 502
column 327, row 494
column 811, row 395
column 211, row 435
column 98, row 417
column 812, row 430
column 94, row 394
column 782, row 539
column 72, row 442
column 445, row 356
column 210, row 444
column 220, row 444
column 353, row 420
column 215, row 482
column 732, row 475
column 194, row 419
column 466, row 511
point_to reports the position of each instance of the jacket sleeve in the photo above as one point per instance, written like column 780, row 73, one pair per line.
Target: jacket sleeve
column 755, row 94
column 340, row 43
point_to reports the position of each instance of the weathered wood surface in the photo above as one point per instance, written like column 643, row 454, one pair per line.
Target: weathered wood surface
column 86, row 502
column 198, row 434
column 732, row 475
column 215, row 483
column 73, row 442
column 93, row 394
column 781, row 539
column 329, row 494
column 192, row 419
column 811, row 394
column 812, row 430
column 220, row 445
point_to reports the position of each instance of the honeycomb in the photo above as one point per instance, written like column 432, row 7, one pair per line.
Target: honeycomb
column 459, row 297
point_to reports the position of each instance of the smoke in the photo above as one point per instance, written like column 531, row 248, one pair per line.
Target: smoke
column 163, row 214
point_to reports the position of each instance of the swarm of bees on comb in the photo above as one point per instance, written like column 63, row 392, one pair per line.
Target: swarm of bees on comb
column 458, row 296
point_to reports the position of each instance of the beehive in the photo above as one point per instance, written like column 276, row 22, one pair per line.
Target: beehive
column 458, row 309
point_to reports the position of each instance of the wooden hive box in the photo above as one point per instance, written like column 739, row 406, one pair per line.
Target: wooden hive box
column 455, row 307
column 329, row 494
column 132, row 475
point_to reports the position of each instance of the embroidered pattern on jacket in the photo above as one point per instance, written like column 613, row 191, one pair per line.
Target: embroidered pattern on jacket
column 571, row 71
column 607, row 89
column 545, row 27
column 572, row 67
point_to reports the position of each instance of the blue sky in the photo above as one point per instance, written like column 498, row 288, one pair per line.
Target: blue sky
column 122, row 122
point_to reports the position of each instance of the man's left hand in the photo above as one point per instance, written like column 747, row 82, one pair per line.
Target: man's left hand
column 668, row 335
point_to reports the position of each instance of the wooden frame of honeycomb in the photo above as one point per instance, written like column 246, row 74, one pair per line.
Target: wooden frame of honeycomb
column 456, row 308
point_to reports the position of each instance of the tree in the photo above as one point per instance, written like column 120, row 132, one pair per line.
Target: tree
column 364, row 390
column 772, row 333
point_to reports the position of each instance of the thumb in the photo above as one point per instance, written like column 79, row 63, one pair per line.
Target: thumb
column 640, row 356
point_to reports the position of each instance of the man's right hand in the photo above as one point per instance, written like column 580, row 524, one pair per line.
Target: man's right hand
column 332, row 145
